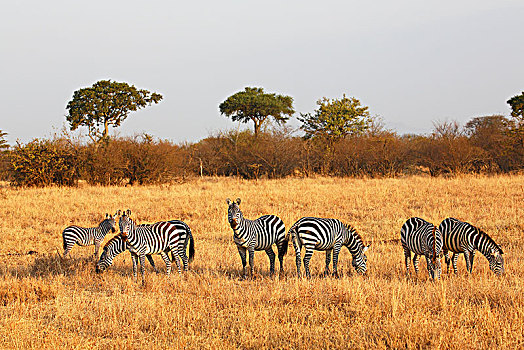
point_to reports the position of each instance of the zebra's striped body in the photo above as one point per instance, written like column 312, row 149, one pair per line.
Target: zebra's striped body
column 259, row 234
column 462, row 237
column 160, row 237
column 327, row 235
column 86, row 236
column 115, row 246
column 422, row 238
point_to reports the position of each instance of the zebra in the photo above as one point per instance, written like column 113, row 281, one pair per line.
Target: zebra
column 88, row 236
column 422, row 238
column 462, row 237
column 258, row 234
column 115, row 246
column 159, row 237
column 329, row 235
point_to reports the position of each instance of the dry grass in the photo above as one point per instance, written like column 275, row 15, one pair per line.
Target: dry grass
column 49, row 303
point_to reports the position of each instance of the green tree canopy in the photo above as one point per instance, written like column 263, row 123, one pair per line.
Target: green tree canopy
column 517, row 107
column 106, row 103
column 253, row 104
column 335, row 119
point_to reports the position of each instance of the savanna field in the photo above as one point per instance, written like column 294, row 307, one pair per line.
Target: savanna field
column 47, row 302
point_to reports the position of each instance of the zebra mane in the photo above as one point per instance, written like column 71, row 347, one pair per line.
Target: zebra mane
column 489, row 239
column 352, row 230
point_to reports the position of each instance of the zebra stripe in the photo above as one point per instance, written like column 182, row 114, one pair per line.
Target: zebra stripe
column 115, row 246
column 327, row 235
column 462, row 237
column 156, row 238
column 258, row 234
column 88, row 236
column 422, row 238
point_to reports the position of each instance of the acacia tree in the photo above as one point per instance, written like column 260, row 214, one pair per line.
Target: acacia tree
column 253, row 104
column 3, row 142
column 335, row 119
column 106, row 103
column 517, row 111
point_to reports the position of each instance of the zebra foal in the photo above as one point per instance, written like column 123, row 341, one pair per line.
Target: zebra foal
column 462, row 237
column 86, row 236
column 328, row 235
column 422, row 238
column 258, row 234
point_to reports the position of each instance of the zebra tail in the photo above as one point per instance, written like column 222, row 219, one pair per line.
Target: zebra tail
column 191, row 247
column 285, row 245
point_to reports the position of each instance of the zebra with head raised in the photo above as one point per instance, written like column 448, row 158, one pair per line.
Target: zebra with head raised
column 258, row 234
column 328, row 235
column 422, row 238
column 85, row 236
column 156, row 238
column 462, row 237
column 117, row 245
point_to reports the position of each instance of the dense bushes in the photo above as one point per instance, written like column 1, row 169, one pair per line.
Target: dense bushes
column 486, row 145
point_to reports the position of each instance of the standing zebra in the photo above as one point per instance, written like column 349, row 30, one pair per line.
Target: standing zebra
column 258, row 234
column 156, row 238
column 329, row 235
column 422, row 238
column 88, row 236
column 462, row 237
column 117, row 245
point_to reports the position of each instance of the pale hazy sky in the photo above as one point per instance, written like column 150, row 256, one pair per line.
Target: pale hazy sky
column 412, row 62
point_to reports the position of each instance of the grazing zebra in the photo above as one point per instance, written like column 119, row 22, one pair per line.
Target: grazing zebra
column 88, row 236
column 258, row 234
column 422, row 238
column 462, row 237
column 115, row 246
column 329, row 235
column 159, row 237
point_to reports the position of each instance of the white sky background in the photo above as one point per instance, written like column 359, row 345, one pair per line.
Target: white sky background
column 412, row 62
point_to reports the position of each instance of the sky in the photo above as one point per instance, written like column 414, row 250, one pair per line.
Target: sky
column 412, row 62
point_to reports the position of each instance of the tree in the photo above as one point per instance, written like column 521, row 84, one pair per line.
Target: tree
column 3, row 142
column 105, row 104
column 517, row 111
column 253, row 104
column 335, row 119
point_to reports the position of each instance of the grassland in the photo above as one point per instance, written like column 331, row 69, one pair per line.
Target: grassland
column 49, row 303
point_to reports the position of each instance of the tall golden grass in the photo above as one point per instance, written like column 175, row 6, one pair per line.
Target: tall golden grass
column 49, row 303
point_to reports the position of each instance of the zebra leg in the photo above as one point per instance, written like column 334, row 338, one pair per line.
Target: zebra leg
column 242, row 252
column 328, row 260
column 185, row 259
column 251, row 252
column 407, row 255
column 177, row 261
column 468, row 260
column 447, row 259
column 134, row 258
column 296, row 245
column 336, row 252
column 97, row 248
column 415, row 263
column 142, row 258
column 471, row 256
column 454, row 262
column 271, row 254
column 307, row 258
column 152, row 262
column 281, row 249
column 167, row 261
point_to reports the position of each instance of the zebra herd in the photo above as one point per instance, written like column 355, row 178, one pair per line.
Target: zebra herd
column 417, row 236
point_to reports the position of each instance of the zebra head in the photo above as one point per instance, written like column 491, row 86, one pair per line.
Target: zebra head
column 496, row 261
column 234, row 215
column 112, row 248
column 125, row 223
column 360, row 260
column 109, row 223
column 435, row 242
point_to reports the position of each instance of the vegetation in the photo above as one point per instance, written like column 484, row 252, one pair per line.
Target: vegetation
column 49, row 303
column 253, row 104
column 106, row 104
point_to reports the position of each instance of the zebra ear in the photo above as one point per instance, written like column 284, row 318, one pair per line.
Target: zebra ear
column 228, row 201
column 495, row 252
column 118, row 212
column 107, row 215
column 366, row 248
column 128, row 212
column 238, row 201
